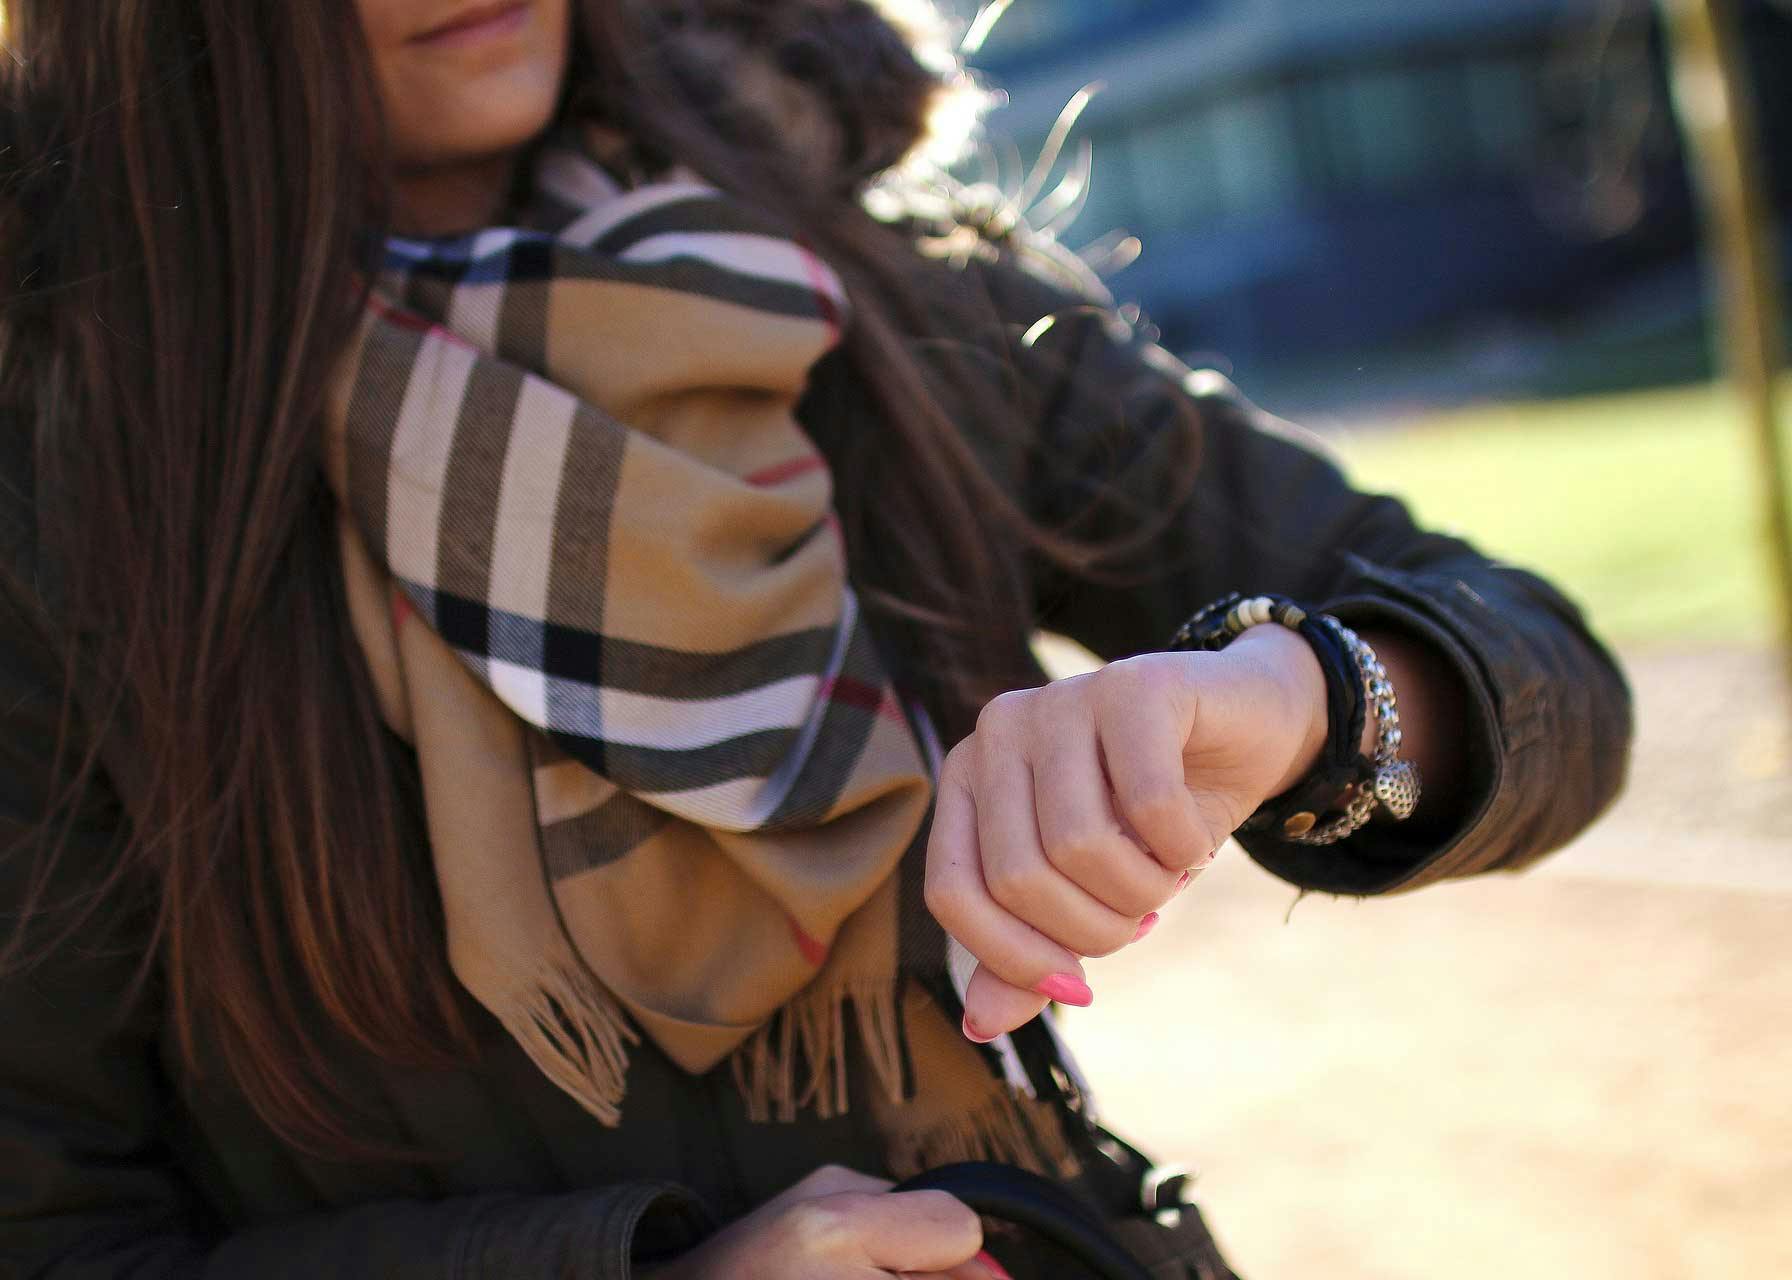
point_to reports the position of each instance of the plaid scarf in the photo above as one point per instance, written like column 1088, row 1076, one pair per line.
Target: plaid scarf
column 594, row 571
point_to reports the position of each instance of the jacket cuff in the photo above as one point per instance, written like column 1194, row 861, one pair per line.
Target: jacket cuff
column 588, row 1235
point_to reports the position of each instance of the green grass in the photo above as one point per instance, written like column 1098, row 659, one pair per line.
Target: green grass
column 1646, row 507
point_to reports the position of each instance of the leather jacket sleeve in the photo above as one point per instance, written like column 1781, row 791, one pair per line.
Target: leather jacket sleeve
column 1548, row 728
column 89, row 1187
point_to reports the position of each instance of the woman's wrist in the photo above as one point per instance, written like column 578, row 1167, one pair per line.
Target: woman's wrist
column 1325, row 707
column 1290, row 663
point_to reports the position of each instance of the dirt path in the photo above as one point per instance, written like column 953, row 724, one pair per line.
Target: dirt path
column 1584, row 1072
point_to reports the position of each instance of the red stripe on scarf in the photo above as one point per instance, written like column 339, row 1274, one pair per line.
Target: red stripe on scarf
column 779, row 472
column 824, row 301
column 415, row 323
column 814, row 950
column 866, row 697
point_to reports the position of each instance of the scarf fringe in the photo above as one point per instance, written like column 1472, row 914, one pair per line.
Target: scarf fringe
column 810, row 1031
column 574, row 1031
column 1008, row 1128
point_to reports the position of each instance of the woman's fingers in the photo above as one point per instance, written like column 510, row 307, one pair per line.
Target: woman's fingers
column 1083, row 837
column 982, row 1267
column 897, row 1231
column 1020, row 878
column 958, row 898
column 1142, row 735
column 837, row 1223
column 976, row 1269
column 829, row 1180
column 1059, row 826
column 994, row 1008
column 833, row 1179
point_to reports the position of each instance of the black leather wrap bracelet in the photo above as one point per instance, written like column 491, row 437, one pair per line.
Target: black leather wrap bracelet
column 1343, row 778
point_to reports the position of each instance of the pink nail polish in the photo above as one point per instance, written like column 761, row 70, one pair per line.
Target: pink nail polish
column 1146, row 926
column 994, row 1268
column 1066, row 988
column 971, row 1033
column 1182, row 883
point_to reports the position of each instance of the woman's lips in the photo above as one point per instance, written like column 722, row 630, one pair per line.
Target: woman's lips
column 481, row 22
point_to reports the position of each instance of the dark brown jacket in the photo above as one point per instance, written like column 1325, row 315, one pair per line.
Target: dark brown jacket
column 116, row 1161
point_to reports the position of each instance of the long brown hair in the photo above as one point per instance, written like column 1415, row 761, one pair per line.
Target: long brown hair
column 189, row 190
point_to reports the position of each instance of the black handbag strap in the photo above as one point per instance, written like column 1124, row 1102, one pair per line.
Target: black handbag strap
column 1038, row 1204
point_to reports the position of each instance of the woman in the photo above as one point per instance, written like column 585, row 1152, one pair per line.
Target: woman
column 475, row 788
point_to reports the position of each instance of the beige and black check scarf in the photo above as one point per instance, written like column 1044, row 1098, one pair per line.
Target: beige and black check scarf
column 595, row 573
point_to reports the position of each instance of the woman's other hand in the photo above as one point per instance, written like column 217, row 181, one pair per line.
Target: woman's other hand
column 840, row 1225
column 1075, row 811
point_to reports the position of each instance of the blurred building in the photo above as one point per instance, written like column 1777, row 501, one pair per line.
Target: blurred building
column 1328, row 186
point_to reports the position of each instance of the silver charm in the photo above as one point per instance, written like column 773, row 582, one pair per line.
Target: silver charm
column 1397, row 787
column 1395, row 784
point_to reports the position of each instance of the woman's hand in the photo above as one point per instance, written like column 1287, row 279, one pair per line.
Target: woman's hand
column 1076, row 810
column 840, row 1225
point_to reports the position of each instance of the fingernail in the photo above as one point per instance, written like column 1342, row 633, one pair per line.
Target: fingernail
column 1146, row 925
column 1182, row 883
column 994, row 1268
column 971, row 1033
column 1066, row 988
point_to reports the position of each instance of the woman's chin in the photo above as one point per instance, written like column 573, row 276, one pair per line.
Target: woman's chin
column 487, row 133
column 475, row 119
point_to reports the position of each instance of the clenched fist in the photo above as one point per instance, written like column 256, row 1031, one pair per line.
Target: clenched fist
column 1075, row 811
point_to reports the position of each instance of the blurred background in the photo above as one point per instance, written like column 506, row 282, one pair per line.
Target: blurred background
column 1487, row 251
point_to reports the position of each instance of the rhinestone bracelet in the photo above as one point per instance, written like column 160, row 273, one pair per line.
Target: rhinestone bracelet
column 1394, row 784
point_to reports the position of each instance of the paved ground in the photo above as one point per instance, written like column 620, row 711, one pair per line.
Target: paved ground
column 1584, row 1072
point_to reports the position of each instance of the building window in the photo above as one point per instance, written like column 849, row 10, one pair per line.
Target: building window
column 1502, row 113
column 1255, row 163
column 1172, row 169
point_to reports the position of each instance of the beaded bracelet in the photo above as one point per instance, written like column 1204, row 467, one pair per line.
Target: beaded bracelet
column 1355, row 681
